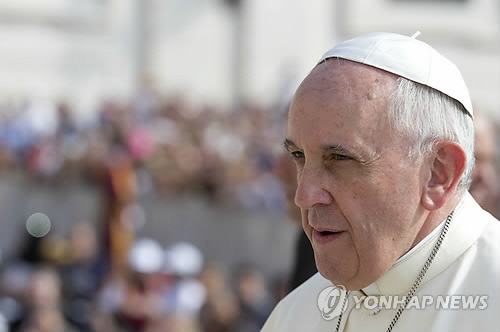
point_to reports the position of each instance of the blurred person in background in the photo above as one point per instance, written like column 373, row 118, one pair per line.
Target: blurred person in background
column 485, row 186
column 186, row 295
column 131, row 300
column 119, row 190
column 82, row 275
column 15, row 280
column 221, row 309
column 44, row 303
column 160, row 292
column 254, row 298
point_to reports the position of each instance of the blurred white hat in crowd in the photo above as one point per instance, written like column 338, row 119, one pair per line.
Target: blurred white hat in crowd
column 183, row 259
column 146, row 256
column 188, row 298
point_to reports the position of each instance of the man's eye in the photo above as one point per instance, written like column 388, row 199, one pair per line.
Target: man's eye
column 340, row 157
column 297, row 155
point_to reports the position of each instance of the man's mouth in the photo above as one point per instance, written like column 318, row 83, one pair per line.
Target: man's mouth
column 326, row 236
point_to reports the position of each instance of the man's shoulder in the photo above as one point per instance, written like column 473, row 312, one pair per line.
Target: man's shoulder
column 481, row 228
column 308, row 289
column 304, row 299
column 490, row 237
column 298, row 311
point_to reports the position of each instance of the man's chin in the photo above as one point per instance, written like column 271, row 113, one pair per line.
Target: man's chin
column 333, row 275
column 350, row 282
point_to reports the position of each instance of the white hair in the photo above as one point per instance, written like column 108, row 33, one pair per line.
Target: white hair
column 427, row 116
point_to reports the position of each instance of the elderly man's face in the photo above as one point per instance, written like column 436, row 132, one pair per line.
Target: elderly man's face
column 358, row 192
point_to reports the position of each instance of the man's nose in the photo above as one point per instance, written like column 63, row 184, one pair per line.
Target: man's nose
column 312, row 189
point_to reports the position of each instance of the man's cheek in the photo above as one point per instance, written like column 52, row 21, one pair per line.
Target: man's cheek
column 305, row 224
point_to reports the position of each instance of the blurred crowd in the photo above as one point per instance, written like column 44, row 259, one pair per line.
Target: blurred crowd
column 165, row 144
column 64, row 284
column 100, row 277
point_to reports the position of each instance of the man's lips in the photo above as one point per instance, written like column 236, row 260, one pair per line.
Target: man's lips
column 323, row 236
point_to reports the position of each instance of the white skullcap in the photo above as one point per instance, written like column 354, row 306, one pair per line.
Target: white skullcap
column 406, row 57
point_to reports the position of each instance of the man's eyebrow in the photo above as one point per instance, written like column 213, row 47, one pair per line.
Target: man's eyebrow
column 289, row 144
column 333, row 148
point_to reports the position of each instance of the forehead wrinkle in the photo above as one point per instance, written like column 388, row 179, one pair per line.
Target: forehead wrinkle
column 369, row 85
column 350, row 77
column 357, row 94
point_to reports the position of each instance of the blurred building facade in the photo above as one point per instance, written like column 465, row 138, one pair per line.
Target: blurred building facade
column 221, row 51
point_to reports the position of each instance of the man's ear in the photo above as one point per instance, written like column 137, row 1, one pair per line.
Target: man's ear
column 447, row 165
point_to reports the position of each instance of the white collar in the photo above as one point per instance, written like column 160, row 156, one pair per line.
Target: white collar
column 435, row 232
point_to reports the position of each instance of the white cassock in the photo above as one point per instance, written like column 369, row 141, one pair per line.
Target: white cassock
column 467, row 264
